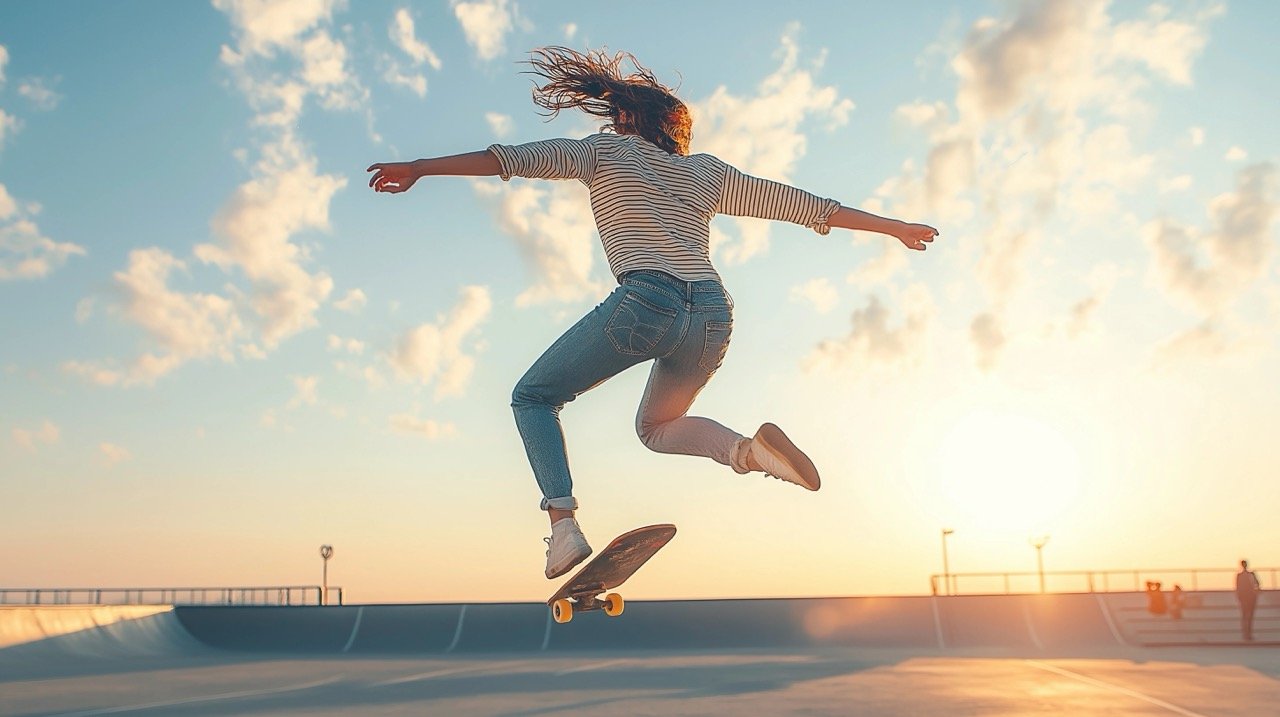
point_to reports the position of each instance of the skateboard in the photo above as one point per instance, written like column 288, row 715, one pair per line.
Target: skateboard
column 607, row 570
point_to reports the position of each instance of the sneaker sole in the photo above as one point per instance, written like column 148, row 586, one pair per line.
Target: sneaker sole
column 570, row 566
column 777, row 443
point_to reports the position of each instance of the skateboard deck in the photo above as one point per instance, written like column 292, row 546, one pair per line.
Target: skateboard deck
column 607, row 570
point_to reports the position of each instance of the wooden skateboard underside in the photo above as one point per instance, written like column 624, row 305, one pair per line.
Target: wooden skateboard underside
column 613, row 565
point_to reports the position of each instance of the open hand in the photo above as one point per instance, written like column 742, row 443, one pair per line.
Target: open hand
column 393, row 177
column 915, row 236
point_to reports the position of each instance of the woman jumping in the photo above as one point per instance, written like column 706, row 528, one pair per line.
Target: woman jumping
column 653, row 203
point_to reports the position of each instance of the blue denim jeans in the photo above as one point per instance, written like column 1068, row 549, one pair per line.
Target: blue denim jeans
column 683, row 327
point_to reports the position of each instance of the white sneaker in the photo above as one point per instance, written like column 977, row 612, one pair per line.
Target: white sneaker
column 566, row 547
column 772, row 452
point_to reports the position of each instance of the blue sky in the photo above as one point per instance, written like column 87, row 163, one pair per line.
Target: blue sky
column 222, row 350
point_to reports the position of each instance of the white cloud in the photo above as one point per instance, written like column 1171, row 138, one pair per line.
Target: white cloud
column 402, row 34
column 820, row 293
column 1213, row 340
column 25, row 253
column 500, row 124
column 930, row 116
column 283, row 54
column 180, row 326
column 84, row 309
column 1196, row 135
column 1236, row 154
column 265, row 26
column 414, row 82
column 1102, row 280
column 324, row 62
column 430, row 429
column 555, row 233
column 94, row 373
column 286, row 196
column 1180, row 183
column 1166, row 45
column 39, row 94
column 761, row 133
column 1048, row 103
column 351, row 302
column 351, row 346
column 873, row 341
column 570, row 30
column 29, row 438
column 486, row 24
column 1208, row 270
column 8, row 125
column 185, row 325
column 435, row 352
column 880, row 269
column 114, row 454
column 304, row 391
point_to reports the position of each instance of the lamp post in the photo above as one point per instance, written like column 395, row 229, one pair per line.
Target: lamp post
column 946, row 568
column 326, row 552
column 1038, row 544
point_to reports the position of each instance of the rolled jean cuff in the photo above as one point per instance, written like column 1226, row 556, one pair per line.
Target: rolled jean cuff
column 738, row 455
column 566, row 503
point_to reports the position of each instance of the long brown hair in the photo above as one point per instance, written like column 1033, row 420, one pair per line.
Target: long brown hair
column 594, row 83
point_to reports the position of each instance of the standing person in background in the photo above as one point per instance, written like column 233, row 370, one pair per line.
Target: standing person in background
column 653, row 203
column 1247, row 589
column 1176, row 601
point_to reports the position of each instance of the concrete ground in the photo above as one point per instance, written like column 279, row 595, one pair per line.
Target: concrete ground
column 1218, row 682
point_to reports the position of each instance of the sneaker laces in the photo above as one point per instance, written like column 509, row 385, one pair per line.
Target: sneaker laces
column 548, row 542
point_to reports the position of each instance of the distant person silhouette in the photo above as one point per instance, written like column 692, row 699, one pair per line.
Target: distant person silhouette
column 1247, row 589
column 1155, row 598
column 1176, row 602
column 653, row 203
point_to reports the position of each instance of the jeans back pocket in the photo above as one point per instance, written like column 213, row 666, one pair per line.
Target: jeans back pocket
column 715, row 345
column 638, row 325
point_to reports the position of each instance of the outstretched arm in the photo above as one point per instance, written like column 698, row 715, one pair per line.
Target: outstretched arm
column 745, row 195
column 396, row 177
column 913, row 236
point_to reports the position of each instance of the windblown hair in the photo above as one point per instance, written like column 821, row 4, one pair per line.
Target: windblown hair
column 594, row 83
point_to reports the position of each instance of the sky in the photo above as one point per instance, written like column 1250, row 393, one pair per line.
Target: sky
column 219, row 349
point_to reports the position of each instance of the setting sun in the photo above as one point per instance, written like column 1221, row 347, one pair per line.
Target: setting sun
column 1007, row 473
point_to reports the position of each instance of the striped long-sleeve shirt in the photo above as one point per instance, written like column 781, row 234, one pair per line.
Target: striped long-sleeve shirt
column 654, row 209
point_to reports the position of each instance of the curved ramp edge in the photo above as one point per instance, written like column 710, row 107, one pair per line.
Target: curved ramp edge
column 98, row 631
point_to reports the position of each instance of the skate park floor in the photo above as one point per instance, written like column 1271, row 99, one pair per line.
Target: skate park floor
column 1243, row 681
column 389, row 660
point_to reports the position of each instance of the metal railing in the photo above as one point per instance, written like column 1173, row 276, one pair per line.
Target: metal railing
column 270, row 595
column 1092, row 581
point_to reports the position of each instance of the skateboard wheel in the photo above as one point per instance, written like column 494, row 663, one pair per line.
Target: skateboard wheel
column 613, row 604
column 562, row 610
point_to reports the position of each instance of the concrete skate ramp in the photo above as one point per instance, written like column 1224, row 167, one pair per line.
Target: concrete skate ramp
column 1022, row 622
column 51, row 633
column 1029, row 623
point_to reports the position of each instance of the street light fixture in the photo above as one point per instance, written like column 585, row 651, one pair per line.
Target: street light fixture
column 946, row 568
column 1038, row 544
column 326, row 552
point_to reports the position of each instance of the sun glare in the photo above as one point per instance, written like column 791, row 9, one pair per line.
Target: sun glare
column 1007, row 473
